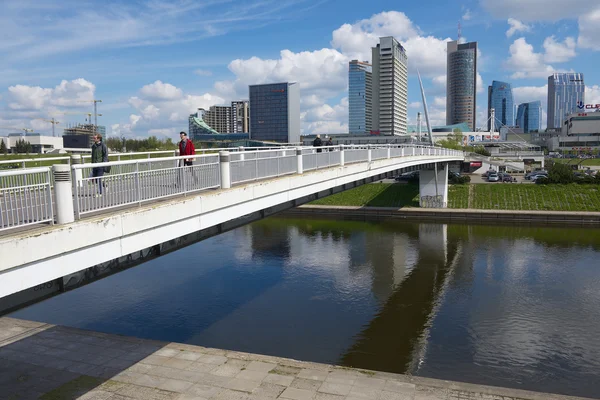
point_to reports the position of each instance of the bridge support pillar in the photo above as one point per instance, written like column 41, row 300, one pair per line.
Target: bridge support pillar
column 299, row 164
column 342, row 158
column 225, row 169
column 63, row 192
column 433, row 186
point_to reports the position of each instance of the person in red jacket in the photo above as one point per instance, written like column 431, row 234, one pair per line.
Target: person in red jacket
column 186, row 148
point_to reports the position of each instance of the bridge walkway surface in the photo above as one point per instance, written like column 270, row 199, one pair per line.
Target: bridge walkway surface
column 44, row 361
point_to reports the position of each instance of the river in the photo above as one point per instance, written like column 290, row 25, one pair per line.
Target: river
column 499, row 305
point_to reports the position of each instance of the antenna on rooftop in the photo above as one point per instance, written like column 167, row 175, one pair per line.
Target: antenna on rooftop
column 459, row 31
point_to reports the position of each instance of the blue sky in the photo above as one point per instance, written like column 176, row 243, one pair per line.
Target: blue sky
column 154, row 62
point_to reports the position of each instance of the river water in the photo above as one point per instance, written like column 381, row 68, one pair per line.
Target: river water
column 499, row 305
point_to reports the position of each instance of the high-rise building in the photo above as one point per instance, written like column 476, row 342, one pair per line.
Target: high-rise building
column 390, row 87
column 275, row 112
column 219, row 118
column 461, row 84
column 360, row 97
column 197, row 125
column 240, row 117
column 500, row 99
column 529, row 116
column 565, row 90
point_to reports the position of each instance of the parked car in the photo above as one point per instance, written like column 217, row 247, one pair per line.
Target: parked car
column 407, row 176
column 535, row 177
column 508, row 178
column 493, row 177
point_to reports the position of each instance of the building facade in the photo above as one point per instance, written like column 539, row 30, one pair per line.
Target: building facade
column 275, row 112
column 360, row 97
column 565, row 92
column 240, row 117
column 529, row 116
column 39, row 143
column 218, row 118
column 500, row 99
column 197, row 126
column 461, row 84
column 390, row 87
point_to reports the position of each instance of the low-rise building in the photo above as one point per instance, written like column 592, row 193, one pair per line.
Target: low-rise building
column 39, row 143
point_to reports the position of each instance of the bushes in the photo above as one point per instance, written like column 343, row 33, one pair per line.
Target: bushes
column 459, row 179
column 563, row 174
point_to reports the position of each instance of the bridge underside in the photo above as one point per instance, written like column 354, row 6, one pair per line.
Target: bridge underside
column 52, row 260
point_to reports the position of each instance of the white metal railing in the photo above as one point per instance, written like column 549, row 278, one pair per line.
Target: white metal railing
column 25, row 197
column 137, row 181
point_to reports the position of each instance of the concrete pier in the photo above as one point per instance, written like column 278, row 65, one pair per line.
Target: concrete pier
column 43, row 361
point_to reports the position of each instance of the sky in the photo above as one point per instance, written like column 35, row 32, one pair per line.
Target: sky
column 154, row 62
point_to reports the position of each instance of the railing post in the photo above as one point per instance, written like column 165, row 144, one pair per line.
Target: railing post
column 225, row 169
column 241, row 151
column 78, row 176
column 299, row 166
column 369, row 157
column 138, row 189
column 64, row 194
column 342, row 160
column 389, row 151
column 413, row 151
column 402, row 152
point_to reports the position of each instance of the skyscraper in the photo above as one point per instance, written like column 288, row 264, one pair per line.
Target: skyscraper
column 500, row 98
column 461, row 84
column 218, row 118
column 529, row 116
column 275, row 112
column 564, row 91
column 390, row 87
column 240, row 117
column 360, row 97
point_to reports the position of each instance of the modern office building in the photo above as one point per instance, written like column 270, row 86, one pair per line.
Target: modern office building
column 565, row 91
column 218, row 118
column 500, row 99
column 461, row 84
column 390, row 87
column 81, row 136
column 529, row 116
column 275, row 112
column 360, row 98
column 197, row 126
column 240, row 117
column 39, row 143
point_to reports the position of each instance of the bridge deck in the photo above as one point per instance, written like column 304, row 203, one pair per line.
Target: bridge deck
column 38, row 359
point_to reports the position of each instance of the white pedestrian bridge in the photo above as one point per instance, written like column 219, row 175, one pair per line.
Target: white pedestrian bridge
column 57, row 232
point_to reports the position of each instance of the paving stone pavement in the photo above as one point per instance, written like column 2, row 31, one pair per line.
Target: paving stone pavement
column 42, row 361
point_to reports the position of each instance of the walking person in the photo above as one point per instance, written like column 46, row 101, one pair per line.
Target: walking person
column 318, row 143
column 99, row 155
column 329, row 143
column 186, row 148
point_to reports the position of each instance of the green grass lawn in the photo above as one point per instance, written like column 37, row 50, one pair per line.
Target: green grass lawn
column 485, row 197
column 574, row 161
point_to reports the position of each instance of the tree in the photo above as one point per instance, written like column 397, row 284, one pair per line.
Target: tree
column 3, row 148
column 560, row 173
column 22, row 146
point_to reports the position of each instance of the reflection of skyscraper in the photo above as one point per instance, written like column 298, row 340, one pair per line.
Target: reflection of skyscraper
column 564, row 91
column 461, row 84
column 270, row 240
column 500, row 99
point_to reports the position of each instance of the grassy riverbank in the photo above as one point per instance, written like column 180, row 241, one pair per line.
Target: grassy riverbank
column 573, row 161
column 477, row 196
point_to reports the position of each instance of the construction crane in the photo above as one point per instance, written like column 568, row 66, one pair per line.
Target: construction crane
column 77, row 113
column 18, row 129
column 96, row 115
column 52, row 121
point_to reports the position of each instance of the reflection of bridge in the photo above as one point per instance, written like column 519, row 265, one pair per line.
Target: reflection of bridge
column 100, row 235
column 394, row 340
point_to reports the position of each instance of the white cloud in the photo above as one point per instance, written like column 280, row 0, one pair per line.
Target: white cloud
column 516, row 26
column 526, row 62
column 589, row 29
column 559, row 52
column 592, row 94
column 161, row 91
column 526, row 94
column 416, row 105
column 467, row 15
column 66, row 94
column 203, row 72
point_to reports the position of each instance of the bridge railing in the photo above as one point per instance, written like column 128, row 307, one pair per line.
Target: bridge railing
column 251, row 166
column 139, row 181
column 25, row 197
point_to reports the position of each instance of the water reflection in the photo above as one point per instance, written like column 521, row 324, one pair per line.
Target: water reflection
column 511, row 306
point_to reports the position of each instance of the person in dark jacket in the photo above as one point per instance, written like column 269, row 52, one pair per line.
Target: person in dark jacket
column 99, row 155
column 318, row 143
column 329, row 143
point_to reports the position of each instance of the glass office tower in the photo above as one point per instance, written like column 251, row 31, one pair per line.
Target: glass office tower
column 500, row 98
column 360, row 100
column 275, row 112
column 461, row 84
column 529, row 116
column 565, row 90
